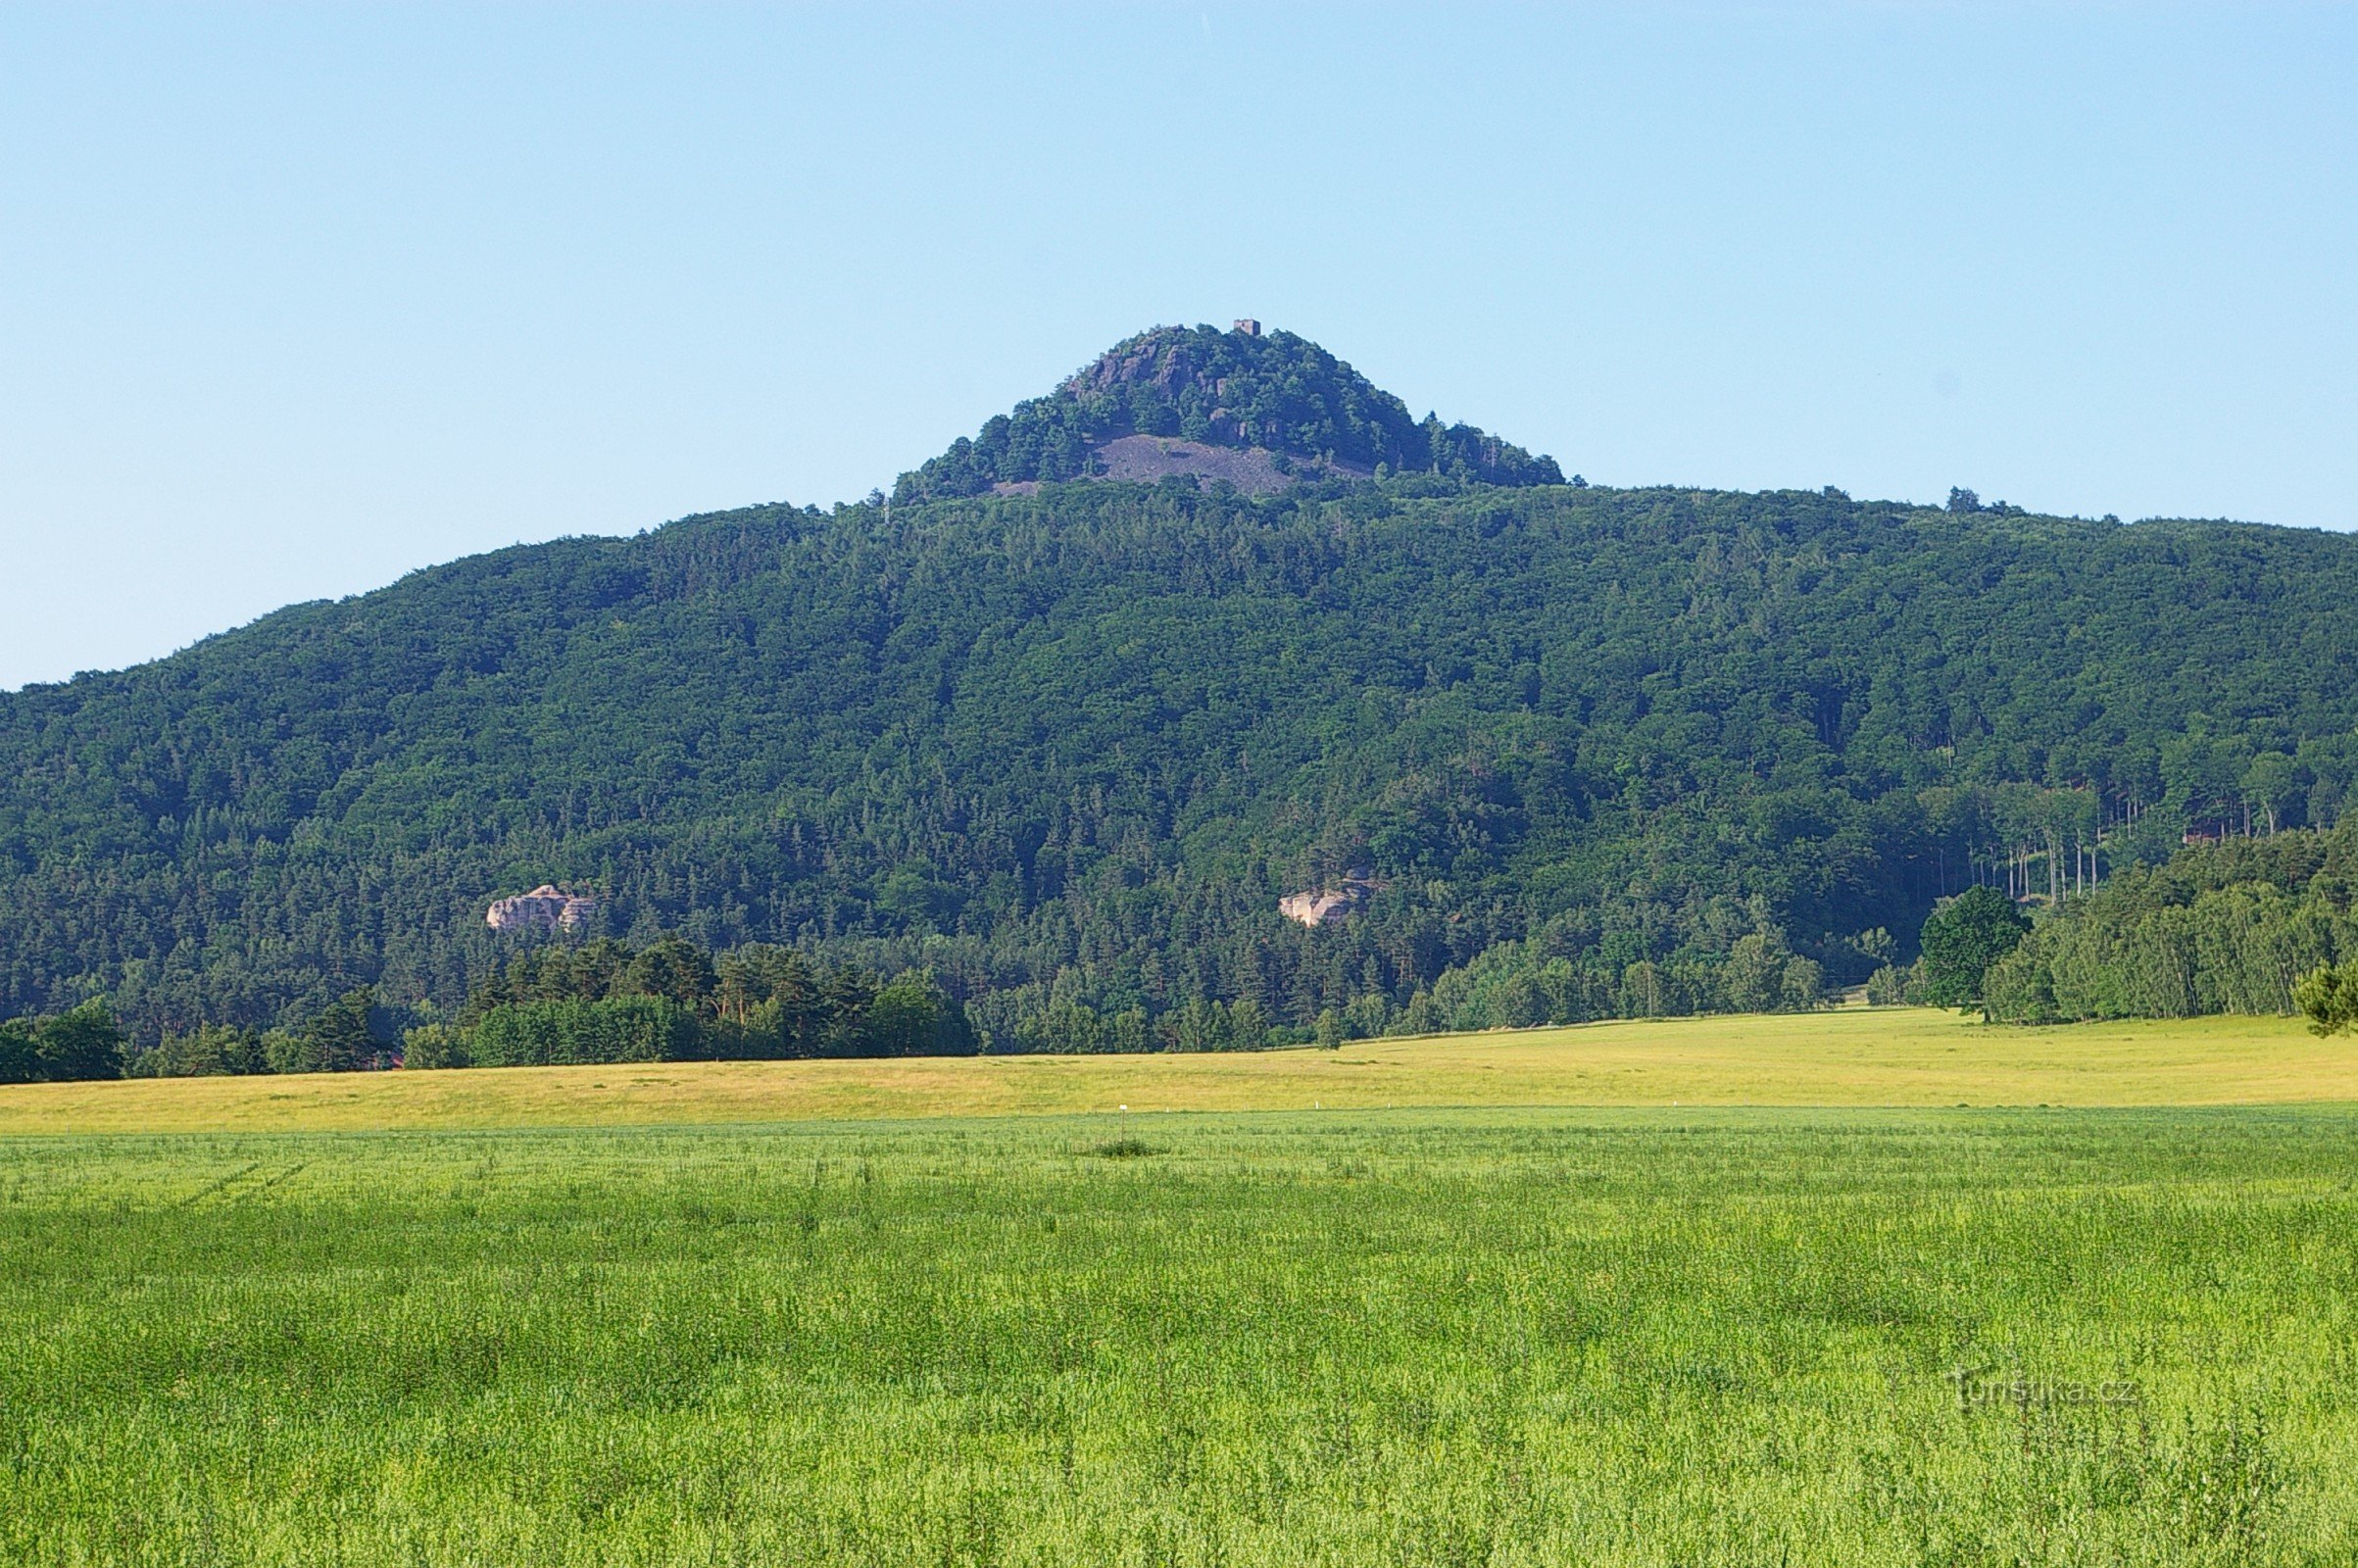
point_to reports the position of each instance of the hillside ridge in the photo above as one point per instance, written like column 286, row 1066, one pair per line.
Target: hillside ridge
column 1067, row 747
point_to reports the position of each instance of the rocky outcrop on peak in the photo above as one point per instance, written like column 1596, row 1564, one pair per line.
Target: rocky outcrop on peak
column 1154, row 407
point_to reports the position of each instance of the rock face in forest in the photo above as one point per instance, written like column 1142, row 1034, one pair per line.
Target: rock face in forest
column 1326, row 904
column 544, row 908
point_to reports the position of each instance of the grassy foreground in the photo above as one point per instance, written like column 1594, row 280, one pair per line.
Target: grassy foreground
column 1917, row 1056
column 1611, row 1337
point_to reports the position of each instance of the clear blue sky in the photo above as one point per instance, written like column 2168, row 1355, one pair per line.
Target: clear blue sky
column 295, row 300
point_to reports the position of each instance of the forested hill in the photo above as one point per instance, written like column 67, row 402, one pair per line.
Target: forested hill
column 1067, row 748
column 1176, row 399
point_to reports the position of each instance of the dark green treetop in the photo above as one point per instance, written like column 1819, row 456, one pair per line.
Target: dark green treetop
column 1962, row 939
column 81, row 1043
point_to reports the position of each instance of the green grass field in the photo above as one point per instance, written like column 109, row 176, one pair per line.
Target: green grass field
column 1471, row 1336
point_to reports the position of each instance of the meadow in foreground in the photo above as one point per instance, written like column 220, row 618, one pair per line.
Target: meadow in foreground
column 1465, row 1336
column 1853, row 1056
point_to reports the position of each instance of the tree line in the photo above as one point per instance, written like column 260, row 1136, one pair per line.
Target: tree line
column 2253, row 925
column 2234, row 927
column 603, row 1000
column 606, row 1000
column 2265, row 925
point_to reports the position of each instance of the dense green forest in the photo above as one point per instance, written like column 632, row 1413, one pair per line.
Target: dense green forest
column 1064, row 750
column 2251, row 926
column 2235, row 926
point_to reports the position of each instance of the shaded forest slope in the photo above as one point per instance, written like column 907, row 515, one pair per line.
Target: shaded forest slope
column 1073, row 744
